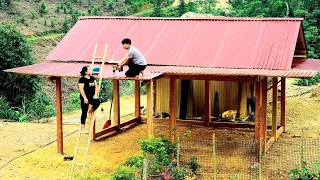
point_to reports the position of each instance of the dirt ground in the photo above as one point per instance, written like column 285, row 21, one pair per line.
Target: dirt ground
column 105, row 154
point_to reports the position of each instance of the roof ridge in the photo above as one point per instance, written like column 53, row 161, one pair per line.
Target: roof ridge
column 192, row 18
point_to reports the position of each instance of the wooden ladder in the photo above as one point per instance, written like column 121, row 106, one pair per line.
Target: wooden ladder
column 91, row 119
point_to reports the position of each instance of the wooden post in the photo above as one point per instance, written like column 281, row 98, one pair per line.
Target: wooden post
column 283, row 103
column 116, row 102
column 264, row 101
column 93, row 135
column 207, row 103
column 214, row 158
column 274, row 106
column 150, row 108
column 243, row 100
column 137, row 99
column 173, row 107
column 257, row 116
column 59, row 116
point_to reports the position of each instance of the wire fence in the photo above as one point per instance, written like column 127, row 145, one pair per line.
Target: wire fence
column 221, row 159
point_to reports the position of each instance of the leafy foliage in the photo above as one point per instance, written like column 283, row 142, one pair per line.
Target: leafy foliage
column 307, row 81
column 123, row 173
column 6, row 112
column 15, row 52
column 162, row 149
column 5, row 4
column 193, row 165
column 305, row 173
column 42, row 8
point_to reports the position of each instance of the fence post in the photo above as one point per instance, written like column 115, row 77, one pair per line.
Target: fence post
column 260, row 159
column 178, row 153
column 214, row 160
column 144, row 171
column 301, row 150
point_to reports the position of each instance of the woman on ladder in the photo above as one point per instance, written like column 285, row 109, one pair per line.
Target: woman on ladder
column 88, row 91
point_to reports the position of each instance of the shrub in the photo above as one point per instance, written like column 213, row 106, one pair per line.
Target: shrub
column 307, row 81
column 96, row 11
column 6, row 112
column 193, row 165
column 134, row 161
column 65, row 27
column 42, row 8
column 53, row 22
column 123, row 173
column 33, row 13
column 306, row 173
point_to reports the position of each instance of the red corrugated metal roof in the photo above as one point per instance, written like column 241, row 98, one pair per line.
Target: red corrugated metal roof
column 307, row 64
column 262, row 43
column 73, row 69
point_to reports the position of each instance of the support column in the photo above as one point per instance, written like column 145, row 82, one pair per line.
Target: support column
column 207, row 103
column 116, row 103
column 150, row 108
column 283, row 103
column 59, row 116
column 264, row 102
column 274, row 107
column 173, row 108
column 137, row 99
column 257, row 116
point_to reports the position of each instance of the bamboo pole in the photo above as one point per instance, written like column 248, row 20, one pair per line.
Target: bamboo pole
column 214, row 158
column 260, row 159
column 178, row 153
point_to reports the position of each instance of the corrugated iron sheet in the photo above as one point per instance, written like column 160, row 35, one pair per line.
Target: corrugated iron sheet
column 307, row 64
column 206, row 42
column 178, row 70
column 73, row 70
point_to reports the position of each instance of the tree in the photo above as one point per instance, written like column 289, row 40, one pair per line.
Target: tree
column 15, row 52
column 65, row 27
column 157, row 9
column 182, row 8
column 5, row 4
column 42, row 8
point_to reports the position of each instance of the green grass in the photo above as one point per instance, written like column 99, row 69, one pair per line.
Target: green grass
column 30, row 39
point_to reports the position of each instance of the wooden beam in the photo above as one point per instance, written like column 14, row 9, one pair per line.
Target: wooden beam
column 116, row 103
column 150, row 108
column 264, row 103
column 283, row 103
column 218, row 78
column 257, row 116
column 207, row 100
column 279, row 132
column 59, row 116
column 269, row 143
column 300, row 51
column 132, row 121
column 202, row 123
column 274, row 106
column 137, row 98
column 111, row 129
column 173, row 107
column 179, row 121
column 106, row 131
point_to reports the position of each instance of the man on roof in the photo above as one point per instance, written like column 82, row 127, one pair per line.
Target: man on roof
column 134, row 59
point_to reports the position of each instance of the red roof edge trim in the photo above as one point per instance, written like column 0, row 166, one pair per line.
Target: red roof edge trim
column 195, row 18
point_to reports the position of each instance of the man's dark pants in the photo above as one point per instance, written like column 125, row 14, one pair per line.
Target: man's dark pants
column 134, row 69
